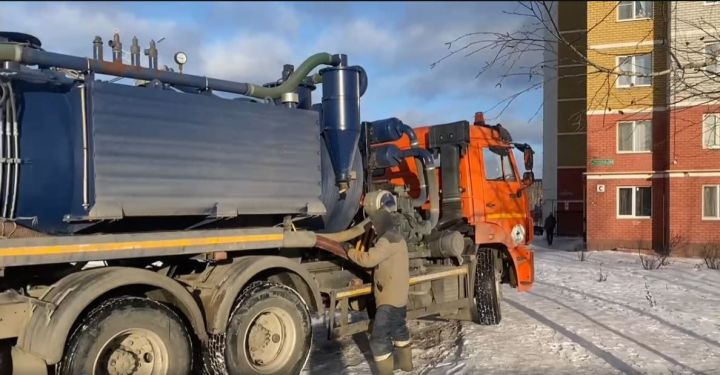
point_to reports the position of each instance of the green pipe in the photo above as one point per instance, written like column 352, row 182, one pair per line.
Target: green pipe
column 295, row 78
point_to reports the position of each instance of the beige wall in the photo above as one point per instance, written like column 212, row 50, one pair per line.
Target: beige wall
column 610, row 38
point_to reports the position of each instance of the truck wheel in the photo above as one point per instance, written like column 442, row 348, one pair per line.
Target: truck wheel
column 129, row 335
column 269, row 331
column 487, row 288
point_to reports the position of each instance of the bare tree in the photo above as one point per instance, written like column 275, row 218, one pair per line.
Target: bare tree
column 692, row 70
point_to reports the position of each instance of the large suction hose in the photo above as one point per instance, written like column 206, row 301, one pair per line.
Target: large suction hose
column 348, row 234
column 295, row 79
column 330, row 242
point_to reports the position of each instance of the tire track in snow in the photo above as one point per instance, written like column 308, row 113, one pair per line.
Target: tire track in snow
column 624, row 336
column 606, row 356
column 638, row 311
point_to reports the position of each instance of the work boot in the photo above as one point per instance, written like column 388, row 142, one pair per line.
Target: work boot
column 385, row 366
column 404, row 354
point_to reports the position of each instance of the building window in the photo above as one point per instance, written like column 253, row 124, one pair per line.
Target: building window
column 712, row 55
column 635, row 70
column 711, row 130
column 711, row 203
column 634, row 201
column 634, row 10
column 634, row 136
column 498, row 166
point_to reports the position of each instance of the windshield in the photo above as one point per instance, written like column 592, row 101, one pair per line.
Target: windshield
column 498, row 166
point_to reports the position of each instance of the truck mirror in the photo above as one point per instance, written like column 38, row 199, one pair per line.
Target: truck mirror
column 528, row 178
column 529, row 156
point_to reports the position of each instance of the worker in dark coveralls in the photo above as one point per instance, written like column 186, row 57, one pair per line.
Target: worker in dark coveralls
column 550, row 228
column 389, row 258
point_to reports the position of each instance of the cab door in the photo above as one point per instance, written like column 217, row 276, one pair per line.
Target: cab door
column 503, row 204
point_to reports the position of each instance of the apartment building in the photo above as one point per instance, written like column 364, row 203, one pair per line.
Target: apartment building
column 694, row 112
column 653, row 125
column 564, row 125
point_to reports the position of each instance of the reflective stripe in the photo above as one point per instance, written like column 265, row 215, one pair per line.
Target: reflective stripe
column 401, row 344
column 135, row 245
column 383, row 357
column 511, row 215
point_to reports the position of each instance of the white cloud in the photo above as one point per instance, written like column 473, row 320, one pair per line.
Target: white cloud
column 250, row 58
column 360, row 38
column 69, row 28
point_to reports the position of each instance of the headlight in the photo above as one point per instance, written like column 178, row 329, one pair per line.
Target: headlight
column 518, row 234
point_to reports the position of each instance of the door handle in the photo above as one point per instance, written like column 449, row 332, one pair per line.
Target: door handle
column 491, row 205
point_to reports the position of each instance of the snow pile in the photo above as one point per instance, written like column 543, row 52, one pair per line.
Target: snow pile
column 603, row 315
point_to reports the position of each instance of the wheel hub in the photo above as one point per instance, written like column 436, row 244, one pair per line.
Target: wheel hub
column 133, row 352
column 122, row 363
column 270, row 340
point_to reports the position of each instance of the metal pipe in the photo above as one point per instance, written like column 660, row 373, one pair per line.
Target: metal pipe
column 392, row 129
column 98, row 48
column 450, row 173
column 116, row 48
column 30, row 56
column 16, row 156
column 420, row 170
column 7, row 156
column 434, row 193
column 424, row 155
column 152, row 54
column 135, row 52
column 83, row 116
column 290, row 99
column 3, row 117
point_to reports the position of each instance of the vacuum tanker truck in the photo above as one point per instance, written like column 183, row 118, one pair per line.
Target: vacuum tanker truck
column 173, row 223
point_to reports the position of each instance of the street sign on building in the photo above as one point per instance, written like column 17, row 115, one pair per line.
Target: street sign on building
column 602, row 162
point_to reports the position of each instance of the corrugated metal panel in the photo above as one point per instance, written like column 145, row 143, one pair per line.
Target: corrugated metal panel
column 158, row 152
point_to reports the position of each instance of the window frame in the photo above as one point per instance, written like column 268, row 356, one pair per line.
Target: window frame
column 634, row 124
column 633, row 77
column 717, row 136
column 634, row 18
column 717, row 203
column 510, row 161
column 632, row 202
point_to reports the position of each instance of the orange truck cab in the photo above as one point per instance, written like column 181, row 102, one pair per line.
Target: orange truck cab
column 481, row 193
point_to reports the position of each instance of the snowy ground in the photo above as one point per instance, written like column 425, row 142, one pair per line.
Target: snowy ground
column 664, row 321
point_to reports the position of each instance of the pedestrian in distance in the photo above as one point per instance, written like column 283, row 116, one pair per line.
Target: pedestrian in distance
column 550, row 228
column 391, row 276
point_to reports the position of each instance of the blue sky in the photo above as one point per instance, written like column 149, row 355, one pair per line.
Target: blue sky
column 250, row 41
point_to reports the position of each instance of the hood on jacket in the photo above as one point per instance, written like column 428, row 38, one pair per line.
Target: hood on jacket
column 382, row 222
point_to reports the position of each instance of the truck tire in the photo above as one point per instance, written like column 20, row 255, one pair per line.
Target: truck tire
column 269, row 331
column 487, row 288
column 129, row 335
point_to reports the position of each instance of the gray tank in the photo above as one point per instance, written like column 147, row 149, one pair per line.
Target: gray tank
column 105, row 153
